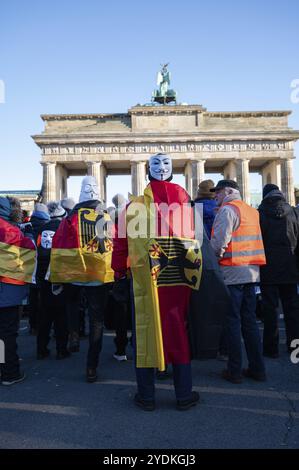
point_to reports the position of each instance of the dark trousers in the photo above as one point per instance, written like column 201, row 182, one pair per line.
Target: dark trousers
column 121, row 316
column 145, row 377
column 182, row 380
column 73, row 296
column 271, row 294
column 9, row 324
column 34, row 306
column 52, row 311
column 96, row 298
column 241, row 319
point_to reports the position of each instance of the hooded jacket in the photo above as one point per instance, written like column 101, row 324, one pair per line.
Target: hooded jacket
column 280, row 229
column 38, row 219
column 10, row 294
column 209, row 213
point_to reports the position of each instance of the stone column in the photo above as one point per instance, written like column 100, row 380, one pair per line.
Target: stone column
column 230, row 171
column 94, row 169
column 49, row 182
column 271, row 173
column 103, row 187
column 138, row 175
column 287, row 182
column 194, row 174
column 61, row 182
column 242, row 166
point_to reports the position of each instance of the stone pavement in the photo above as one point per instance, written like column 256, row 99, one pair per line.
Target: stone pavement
column 55, row 408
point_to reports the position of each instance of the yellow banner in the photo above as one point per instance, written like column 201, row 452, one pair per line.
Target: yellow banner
column 149, row 341
column 17, row 263
column 78, row 265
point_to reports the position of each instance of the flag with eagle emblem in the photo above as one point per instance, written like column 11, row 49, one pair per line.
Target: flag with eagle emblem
column 165, row 268
column 82, row 246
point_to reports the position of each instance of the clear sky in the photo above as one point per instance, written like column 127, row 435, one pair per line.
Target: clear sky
column 93, row 56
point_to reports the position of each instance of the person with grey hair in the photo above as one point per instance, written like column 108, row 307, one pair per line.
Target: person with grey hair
column 237, row 242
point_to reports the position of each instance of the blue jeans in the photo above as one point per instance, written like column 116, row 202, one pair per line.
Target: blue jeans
column 242, row 319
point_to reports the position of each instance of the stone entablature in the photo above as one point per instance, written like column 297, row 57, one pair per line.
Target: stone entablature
column 173, row 148
column 232, row 143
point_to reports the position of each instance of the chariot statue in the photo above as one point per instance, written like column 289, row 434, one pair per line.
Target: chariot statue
column 164, row 94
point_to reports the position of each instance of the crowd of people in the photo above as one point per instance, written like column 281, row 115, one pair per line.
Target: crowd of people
column 72, row 260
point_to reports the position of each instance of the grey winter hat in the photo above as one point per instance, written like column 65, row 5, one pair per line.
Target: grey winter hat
column 55, row 209
column 40, row 207
column 68, row 203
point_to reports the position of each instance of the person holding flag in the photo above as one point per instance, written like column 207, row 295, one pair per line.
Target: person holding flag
column 81, row 259
column 165, row 264
column 17, row 271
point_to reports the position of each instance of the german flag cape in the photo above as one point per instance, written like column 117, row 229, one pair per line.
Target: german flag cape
column 17, row 255
column 78, row 254
column 164, row 269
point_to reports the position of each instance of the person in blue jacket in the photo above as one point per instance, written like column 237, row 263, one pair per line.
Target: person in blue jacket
column 206, row 198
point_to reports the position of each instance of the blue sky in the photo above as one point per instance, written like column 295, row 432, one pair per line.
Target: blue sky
column 92, row 56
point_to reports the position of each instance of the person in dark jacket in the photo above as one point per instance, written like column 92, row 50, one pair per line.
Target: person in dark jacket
column 95, row 290
column 13, row 291
column 207, row 199
column 39, row 217
column 53, row 310
column 279, row 277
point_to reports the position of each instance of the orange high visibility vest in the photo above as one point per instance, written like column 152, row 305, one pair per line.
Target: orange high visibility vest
column 246, row 246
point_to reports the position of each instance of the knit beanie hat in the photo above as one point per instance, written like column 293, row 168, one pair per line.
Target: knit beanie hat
column 39, row 207
column 203, row 190
column 268, row 188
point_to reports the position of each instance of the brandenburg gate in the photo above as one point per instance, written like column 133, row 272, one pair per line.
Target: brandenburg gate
column 199, row 141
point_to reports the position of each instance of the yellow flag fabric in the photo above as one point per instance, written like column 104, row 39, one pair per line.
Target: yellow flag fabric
column 17, row 263
column 149, row 342
column 17, row 255
column 77, row 254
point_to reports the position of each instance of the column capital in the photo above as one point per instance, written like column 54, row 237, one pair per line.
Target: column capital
column 91, row 163
column 48, row 163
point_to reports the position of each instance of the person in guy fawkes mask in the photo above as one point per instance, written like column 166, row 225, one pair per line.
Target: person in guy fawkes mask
column 81, row 259
column 52, row 309
column 165, row 266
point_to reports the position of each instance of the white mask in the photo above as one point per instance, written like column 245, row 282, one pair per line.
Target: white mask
column 46, row 239
column 160, row 167
column 89, row 189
